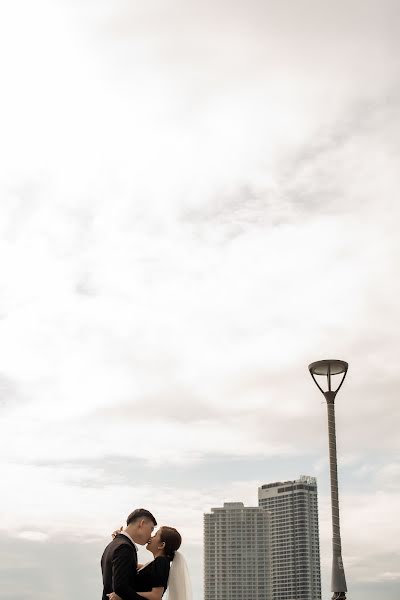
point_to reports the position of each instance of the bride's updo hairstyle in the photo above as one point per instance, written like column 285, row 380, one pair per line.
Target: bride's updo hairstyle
column 172, row 540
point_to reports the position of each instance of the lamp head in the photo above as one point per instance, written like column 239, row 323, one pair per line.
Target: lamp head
column 327, row 368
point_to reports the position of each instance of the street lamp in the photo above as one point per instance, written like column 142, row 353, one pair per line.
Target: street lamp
column 328, row 368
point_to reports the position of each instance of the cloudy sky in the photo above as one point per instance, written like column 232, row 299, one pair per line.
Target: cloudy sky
column 197, row 200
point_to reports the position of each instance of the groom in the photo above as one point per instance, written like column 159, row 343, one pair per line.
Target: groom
column 119, row 560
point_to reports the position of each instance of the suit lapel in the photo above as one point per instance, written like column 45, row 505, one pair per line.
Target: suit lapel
column 126, row 539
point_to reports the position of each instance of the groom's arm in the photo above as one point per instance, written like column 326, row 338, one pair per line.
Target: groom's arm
column 122, row 573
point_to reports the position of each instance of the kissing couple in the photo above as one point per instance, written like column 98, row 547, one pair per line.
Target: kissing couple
column 125, row 579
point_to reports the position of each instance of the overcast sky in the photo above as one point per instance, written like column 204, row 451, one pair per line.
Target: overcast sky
column 197, row 200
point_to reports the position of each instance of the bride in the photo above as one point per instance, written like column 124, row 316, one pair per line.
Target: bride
column 168, row 569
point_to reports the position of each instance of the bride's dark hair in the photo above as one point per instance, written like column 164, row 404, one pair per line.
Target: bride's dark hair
column 172, row 540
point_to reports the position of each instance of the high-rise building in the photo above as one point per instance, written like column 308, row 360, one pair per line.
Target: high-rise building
column 236, row 553
column 293, row 506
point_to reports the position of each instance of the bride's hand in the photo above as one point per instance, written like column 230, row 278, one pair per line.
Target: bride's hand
column 114, row 533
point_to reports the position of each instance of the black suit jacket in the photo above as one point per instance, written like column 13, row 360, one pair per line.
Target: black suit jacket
column 119, row 565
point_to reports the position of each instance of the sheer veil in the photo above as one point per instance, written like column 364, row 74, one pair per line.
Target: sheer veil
column 179, row 587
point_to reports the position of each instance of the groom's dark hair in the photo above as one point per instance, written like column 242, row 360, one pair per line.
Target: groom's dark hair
column 140, row 513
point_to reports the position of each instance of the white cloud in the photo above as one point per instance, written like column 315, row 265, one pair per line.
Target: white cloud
column 34, row 536
column 197, row 201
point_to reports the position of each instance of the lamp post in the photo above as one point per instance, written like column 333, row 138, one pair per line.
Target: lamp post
column 328, row 368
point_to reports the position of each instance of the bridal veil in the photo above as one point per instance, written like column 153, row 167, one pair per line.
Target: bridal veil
column 179, row 587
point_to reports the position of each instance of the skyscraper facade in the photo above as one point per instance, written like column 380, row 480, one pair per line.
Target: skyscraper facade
column 295, row 560
column 236, row 553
